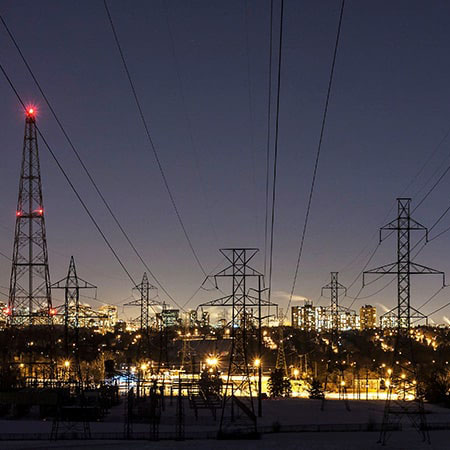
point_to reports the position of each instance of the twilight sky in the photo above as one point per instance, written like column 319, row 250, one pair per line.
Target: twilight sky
column 205, row 100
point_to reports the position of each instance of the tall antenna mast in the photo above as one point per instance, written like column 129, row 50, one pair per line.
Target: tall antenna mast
column 30, row 300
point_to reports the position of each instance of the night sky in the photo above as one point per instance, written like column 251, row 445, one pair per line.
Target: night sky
column 205, row 99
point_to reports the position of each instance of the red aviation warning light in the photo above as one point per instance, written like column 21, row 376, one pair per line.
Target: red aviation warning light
column 18, row 213
column 52, row 311
column 40, row 211
column 31, row 111
column 7, row 311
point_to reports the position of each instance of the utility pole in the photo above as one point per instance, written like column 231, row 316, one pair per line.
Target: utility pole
column 29, row 292
column 405, row 393
column 238, row 379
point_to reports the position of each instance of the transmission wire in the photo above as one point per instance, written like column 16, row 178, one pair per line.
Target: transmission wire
column 319, row 147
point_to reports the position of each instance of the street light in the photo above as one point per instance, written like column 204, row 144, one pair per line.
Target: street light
column 212, row 361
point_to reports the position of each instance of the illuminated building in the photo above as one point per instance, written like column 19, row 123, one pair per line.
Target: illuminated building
column 304, row 317
column 108, row 317
column 3, row 314
column 388, row 321
column 318, row 318
column 367, row 317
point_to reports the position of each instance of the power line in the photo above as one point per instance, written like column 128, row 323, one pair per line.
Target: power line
column 5, row 256
column 250, row 111
column 432, row 297
column 439, row 309
column 434, row 173
column 275, row 158
column 433, row 187
column 201, row 285
column 319, row 147
column 150, row 140
column 188, row 120
column 269, row 111
column 86, row 170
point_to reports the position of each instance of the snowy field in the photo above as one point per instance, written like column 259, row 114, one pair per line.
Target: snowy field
column 440, row 440
column 285, row 412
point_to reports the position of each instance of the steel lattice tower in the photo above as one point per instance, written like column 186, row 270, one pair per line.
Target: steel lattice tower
column 238, row 378
column 405, row 394
column 72, row 285
column 145, row 302
column 29, row 293
column 281, row 353
column 335, row 309
column 335, row 353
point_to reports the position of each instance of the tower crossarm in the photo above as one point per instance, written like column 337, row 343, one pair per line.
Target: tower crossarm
column 62, row 284
column 413, row 269
column 386, row 269
column 231, row 271
column 223, row 301
column 419, row 269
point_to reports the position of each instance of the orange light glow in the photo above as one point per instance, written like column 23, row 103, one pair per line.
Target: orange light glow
column 7, row 311
column 53, row 311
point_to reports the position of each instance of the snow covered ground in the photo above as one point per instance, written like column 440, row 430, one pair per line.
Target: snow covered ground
column 289, row 441
column 288, row 413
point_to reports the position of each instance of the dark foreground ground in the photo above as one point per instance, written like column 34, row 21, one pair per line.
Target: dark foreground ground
column 288, row 414
column 308, row 441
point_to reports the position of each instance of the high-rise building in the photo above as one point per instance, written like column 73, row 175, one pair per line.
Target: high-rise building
column 304, row 317
column 318, row 318
column 367, row 317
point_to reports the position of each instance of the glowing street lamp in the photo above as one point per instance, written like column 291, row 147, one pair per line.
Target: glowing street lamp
column 212, row 361
column 257, row 362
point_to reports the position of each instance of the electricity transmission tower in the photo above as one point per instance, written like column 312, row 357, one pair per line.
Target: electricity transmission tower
column 405, row 393
column 335, row 353
column 187, row 352
column 29, row 292
column 145, row 302
column 281, row 353
column 238, row 389
column 72, row 285
column 334, row 311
